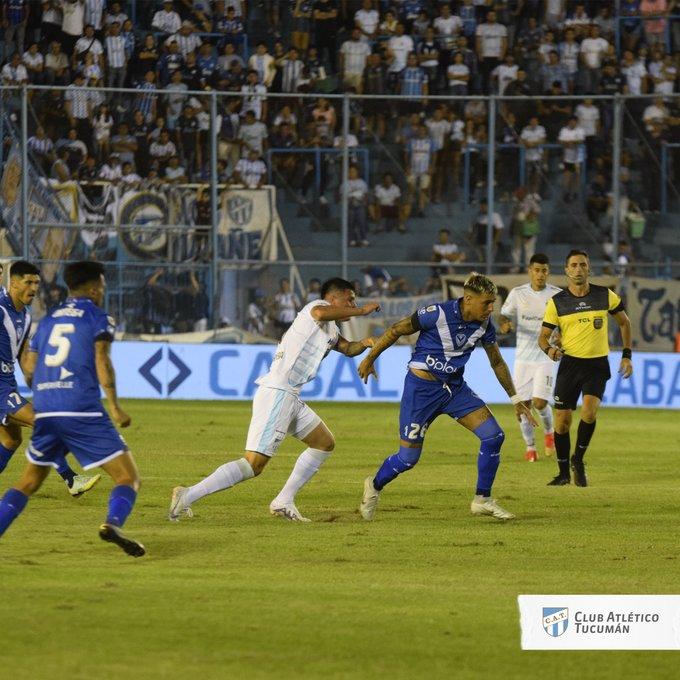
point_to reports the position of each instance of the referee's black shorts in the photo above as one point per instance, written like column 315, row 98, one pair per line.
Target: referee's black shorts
column 580, row 376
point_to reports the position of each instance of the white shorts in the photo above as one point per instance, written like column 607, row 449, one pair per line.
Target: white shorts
column 277, row 413
column 534, row 379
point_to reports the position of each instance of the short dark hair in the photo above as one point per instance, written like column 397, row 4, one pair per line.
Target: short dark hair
column 539, row 258
column 23, row 268
column 335, row 284
column 575, row 251
column 77, row 274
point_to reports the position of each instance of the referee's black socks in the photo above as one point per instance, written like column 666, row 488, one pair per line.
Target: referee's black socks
column 562, row 448
column 583, row 437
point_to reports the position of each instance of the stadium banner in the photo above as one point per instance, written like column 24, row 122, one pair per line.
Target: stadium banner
column 155, row 370
column 654, row 309
column 248, row 224
column 557, row 622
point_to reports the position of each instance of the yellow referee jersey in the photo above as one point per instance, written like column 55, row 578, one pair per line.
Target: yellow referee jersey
column 583, row 321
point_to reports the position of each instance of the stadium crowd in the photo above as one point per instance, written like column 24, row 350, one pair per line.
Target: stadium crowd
column 158, row 134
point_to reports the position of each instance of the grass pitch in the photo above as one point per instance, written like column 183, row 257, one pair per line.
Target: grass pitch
column 425, row 591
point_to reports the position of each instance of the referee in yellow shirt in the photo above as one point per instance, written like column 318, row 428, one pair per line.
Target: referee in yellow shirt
column 581, row 314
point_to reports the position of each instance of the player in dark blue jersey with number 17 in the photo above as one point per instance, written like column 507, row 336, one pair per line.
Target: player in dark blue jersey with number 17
column 434, row 386
column 69, row 358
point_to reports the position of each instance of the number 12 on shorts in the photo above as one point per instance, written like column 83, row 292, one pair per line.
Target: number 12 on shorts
column 415, row 431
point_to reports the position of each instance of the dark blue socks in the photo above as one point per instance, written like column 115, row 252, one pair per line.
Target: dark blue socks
column 65, row 471
column 393, row 466
column 121, row 502
column 11, row 505
column 491, row 437
column 5, row 455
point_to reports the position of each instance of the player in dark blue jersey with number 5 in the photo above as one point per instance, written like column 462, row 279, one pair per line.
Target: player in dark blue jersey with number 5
column 15, row 411
column 434, row 386
column 69, row 358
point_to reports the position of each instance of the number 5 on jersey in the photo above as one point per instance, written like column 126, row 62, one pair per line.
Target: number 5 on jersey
column 59, row 340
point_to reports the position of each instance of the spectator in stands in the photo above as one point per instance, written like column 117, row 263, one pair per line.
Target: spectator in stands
column 532, row 138
column 366, row 20
column 313, row 291
column 129, row 180
column 420, row 153
column 357, row 197
column 162, row 150
column 302, row 14
column 252, row 135
column 166, row 20
column 175, row 173
column 102, row 123
column 554, row 113
column 254, row 101
column 386, row 209
column 326, row 25
column 439, row 129
column 124, row 144
column 491, row 45
column 187, row 39
column 579, row 21
column 447, row 27
column 399, row 46
column 656, row 114
column 78, row 105
column 554, row 72
column 375, row 82
column 597, row 200
column 524, row 227
column 171, row 61
column 41, row 147
column 505, row 73
column 34, row 62
column 635, row 73
column 175, row 100
column 571, row 137
column 655, row 28
column 112, row 170
column 231, row 27
column 256, row 314
column 250, row 171
column 478, row 232
column 60, row 169
column 14, row 20
column 589, row 119
column 72, row 23
column 570, row 54
column 187, row 139
column 116, row 58
column 458, row 76
column 88, row 44
column 14, row 72
column 262, row 63
column 445, row 253
column 593, row 50
column 353, row 55
column 428, row 58
column 291, row 71
column 50, row 27
column 285, row 307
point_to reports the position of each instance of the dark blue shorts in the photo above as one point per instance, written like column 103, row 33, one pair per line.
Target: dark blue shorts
column 424, row 400
column 10, row 402
column 93, row 440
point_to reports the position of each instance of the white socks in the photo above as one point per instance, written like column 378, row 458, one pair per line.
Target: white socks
column 224, row 477
column 306, row 466
column 546, row 418
column 527, row 432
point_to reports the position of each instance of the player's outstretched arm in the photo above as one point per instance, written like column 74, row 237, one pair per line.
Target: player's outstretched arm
column 353, row 349
column 626, row 365
column 107, row 379
column 329, row 313
column 500, row 368
column 387, row 339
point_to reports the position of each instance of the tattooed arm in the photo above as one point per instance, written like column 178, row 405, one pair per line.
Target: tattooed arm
column 500, row 368
column 405, row 326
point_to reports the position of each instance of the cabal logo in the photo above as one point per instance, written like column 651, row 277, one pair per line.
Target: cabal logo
column 555, row 620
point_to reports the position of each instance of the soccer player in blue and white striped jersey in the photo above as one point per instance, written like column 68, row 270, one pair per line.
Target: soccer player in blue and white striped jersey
column 434, row 386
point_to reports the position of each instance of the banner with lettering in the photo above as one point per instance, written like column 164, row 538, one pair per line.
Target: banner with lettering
column 654, row 309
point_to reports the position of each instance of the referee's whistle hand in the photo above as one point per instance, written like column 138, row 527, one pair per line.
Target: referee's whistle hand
column 626, row 368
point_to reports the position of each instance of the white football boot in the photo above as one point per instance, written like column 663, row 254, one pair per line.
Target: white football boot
column 287, row 511
column 178, row 504
column 369, row 502
column 81, row 484
column 488, row 506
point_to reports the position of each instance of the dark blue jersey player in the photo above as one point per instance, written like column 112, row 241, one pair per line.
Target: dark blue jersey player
column 15, row 411
column 434, row 385
column 68, row 359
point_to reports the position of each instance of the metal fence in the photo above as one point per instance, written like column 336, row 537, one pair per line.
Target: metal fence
column 326, row 228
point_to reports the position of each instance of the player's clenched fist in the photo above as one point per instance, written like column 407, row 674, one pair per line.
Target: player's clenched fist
column 370, row 307
column 119, row 416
